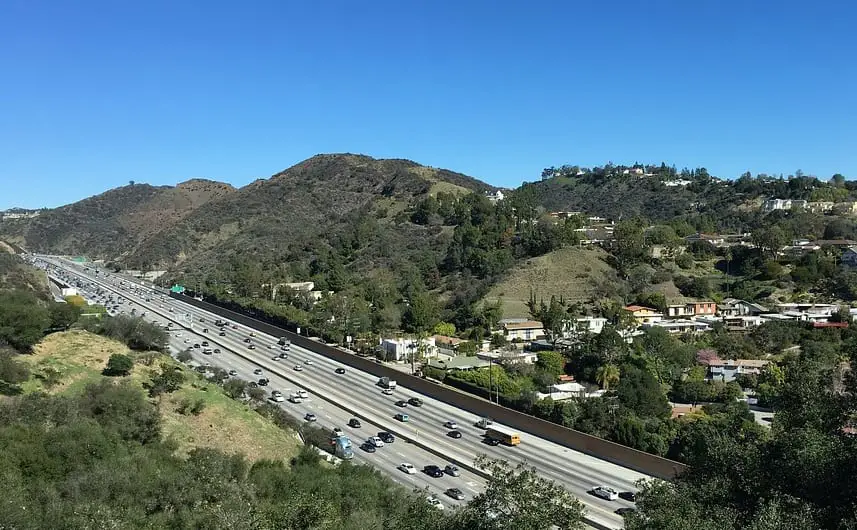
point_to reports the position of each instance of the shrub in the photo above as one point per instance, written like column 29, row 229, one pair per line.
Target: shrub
column 118, row 365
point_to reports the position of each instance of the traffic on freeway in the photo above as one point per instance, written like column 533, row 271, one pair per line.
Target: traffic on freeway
column 341, row 393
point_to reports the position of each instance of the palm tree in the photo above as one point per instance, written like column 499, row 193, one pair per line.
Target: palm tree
column 607, row 375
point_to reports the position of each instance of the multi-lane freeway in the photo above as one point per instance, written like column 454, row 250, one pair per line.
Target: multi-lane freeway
column 336, row 398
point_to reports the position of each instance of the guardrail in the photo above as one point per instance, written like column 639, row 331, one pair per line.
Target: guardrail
column 606, row 450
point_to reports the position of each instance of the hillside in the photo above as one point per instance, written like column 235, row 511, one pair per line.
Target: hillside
column 574, row 274
column 113, row 223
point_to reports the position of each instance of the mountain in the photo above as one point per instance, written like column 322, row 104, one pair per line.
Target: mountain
column 114, row 223
column 299, row 212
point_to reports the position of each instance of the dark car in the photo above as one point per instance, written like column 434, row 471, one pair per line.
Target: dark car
column 216, row 350
column 196, row 345
column 454, row 434
column 354, row 422
column 252, row 346
column 433, row 471
column 205, row 344
column 340, row 371
column 386, row 437
column 455, row 493
column 628, row 496
column 625, row 511
column 205, row 330
column 369, row 448
column 491, row 441
column 222, row 333
column 263, row 382
column 417, row 402
column 401, row 403
column 248, row 340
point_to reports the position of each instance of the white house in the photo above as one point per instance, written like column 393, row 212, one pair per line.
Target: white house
column 509, row 356
column 592, row 325
column 680, row 326
column 523, row 331
column 783, row 204
column 495, row 196
column 400, row 349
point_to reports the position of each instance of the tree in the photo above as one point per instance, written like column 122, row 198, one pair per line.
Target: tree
column 12, row 373
column 551, row 362
column 421, row 314
column 167, row 381
column 607, row 376
column 498, row 340
column 184, row 356
column 256, row 393
column 770, row 239
column 468, row 348
column 517, row 497
column 630, row 242
column 23, row 320
column 640, row 391
column 63, row 315
column 118, row 365
column 445, row 328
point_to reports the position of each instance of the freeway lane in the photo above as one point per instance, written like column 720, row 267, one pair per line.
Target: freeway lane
column 386, row 458
column 357, row 391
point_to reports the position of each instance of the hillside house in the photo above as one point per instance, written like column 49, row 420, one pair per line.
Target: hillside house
column 691, row 309
column 461, row 362
column 733, row 307
column 728, row 370
column 644, row 315
column 525, row 331
column 495, row 196
column 821, row 206
column 509, row 356
column 592, row 325
column 401, row 349
column 712, row 239
column 742, row 322
column 845, row 208
column 680, row 326
column 447, row 345
column 771, row 205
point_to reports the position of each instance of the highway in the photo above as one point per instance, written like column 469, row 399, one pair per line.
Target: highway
column 336, row 398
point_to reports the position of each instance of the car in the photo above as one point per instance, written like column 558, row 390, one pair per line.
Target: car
column 386, row 437
column 625, row 511
column 435, row 502
column 493, row 442
column 308, row 362
column 257, row 371
column 234, row 326
column 369, row 448
column 216, row 350
column 248, row 340
column 270, row 346
column 629, row 496
column 278, row 399
column 205, row 330
column 263, row 382
column 179, row 334
column 222, row 333
column 452, row 470
column 402, row 417
column 377, row 442
column 275, row 358
column 299, row 368
column 337, row 431
column 454, row 434
column 251, row 346
column 455, row 493
column 340, row 371
column 187, row 341
column 295, row 398
column 233, row 373
column 433, row 471
column 387, row 391
column 283, row 356
column 416, row 402
column 407, row 468
column 201, row 319
column 310, row 417
column 451, row 425
column 196, row 345
column 205, row 344
column 252, row 334
column 354, row 422
column 401, row 403
column 605, row 493
column 284, row 348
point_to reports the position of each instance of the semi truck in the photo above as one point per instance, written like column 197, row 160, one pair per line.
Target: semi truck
column 386, row 382
column 283, row 341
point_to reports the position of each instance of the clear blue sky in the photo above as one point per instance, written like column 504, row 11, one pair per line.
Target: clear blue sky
column 96, row 93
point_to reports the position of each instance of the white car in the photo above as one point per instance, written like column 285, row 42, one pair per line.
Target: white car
column 435, row 502
column 299, row 368
column 294, row 398
column 605, row 493
column 388, row 391
column 278, row 399
column 303, row 394
column 257, row 371
column 407, row 468
column 377, row 442
column 451, row 425
column 308, row 361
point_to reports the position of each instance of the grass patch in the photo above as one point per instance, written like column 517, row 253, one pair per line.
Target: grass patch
column 572, row 273
column 78, row 357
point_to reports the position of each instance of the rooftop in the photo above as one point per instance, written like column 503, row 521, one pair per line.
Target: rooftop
column 527, row 324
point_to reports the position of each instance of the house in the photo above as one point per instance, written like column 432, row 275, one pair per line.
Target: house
column 592, row 325
column 728, row 370
column 821, row 206
column 679, row 182
column 730, row 307
column 845, row 208
column 742, row 322
column 509, row 356
column 461, row 362
column 401, row 349
column 568, row 390
column 679, row 410
column 495, row 196
column 783, row 204
column 713, row 239
column 680, row 326
column 564, row 215
column 807, row 309
column 447, row 345
column 849, row 256
column 691, row 309
column 523, row 331
column 644, row 315
column 665, row 251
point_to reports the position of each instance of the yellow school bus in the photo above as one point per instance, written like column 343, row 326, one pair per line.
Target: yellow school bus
column 505, row 436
